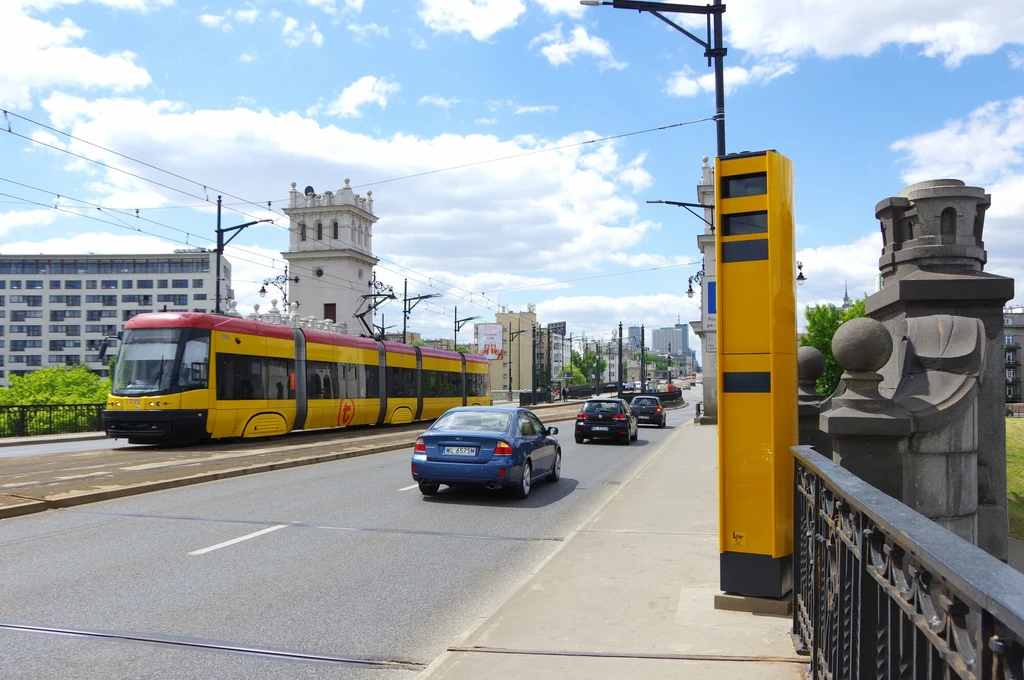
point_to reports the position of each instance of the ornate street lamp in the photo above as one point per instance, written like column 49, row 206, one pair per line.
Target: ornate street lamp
column 280, row 282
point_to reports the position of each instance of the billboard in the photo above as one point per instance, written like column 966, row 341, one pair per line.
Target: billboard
column 488, row 340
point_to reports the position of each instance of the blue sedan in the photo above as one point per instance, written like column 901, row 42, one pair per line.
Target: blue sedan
column 493, row 447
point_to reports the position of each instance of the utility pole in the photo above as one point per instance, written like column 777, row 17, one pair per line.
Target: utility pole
column 549, row 361
column 643, row 359
column 234, row 231
column 533, row 382
column 619, row 367
column 512, row 336
column 597, row 367
column 459, row 323
column 407, row 308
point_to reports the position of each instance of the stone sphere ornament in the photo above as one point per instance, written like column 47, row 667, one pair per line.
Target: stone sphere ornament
column 862, row 345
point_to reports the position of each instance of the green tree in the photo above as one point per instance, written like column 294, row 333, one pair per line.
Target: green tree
column 586, row 363
column 76, row 385
column 822, row 323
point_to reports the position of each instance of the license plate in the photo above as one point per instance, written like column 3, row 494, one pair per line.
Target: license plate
column 600, row 429
column 137, row 403
column 459, row 451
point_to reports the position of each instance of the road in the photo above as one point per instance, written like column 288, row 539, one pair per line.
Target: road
column 342, row 560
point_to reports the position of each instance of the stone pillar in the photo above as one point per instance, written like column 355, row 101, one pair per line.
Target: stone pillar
column 944, row 315
column 810, row 366
column 870, row 435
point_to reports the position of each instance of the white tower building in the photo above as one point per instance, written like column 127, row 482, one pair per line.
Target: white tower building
column 330, row 250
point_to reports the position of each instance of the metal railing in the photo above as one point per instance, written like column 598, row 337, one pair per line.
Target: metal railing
column 21, row 421
column 883, row 592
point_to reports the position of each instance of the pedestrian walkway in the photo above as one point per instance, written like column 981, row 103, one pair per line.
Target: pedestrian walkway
column 631, row 593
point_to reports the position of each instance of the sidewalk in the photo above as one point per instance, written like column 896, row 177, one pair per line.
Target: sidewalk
column 630, row 594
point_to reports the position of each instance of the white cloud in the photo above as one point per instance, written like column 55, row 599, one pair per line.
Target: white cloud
column 946, row 29
column 438, row 101
column 560, row 51
column 366, row 90
column 519, row 110
column 248, row 57
column 37, row 55
column 635, row 175
column 417, row 43
column 25, row 218
column 47, row 138
column 354, row 5
column 364, row 31
column 1016, row 60
column 480, row 18
column 571, row 7
column 685, row 83
column 328, row 6
column 985, row 149
column 542, row 212
column 132, row 5
column 295, row 36
column 485, row 121
column 246, row 16
column 215, row 21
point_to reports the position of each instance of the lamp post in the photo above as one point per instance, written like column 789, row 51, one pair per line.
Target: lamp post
column 713, row 49
column 234, row 231
column 280, row 282
column 696, row 278
column 459, row 323
column 800, row 278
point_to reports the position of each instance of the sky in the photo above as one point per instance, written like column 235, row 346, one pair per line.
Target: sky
column 473, row 123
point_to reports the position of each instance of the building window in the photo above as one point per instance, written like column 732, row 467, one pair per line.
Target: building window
column 199, row 296
column 15, row 285
column 126, row 284
column 34, row 285
column 143, row 283
column 91, row 285
column 55, row 284
column 161, row 283
column 179, row 283
column 73, row 285
column 197, row 283
column 334, row 229
column 108, row 285
column 302, row 232
column 319, row 232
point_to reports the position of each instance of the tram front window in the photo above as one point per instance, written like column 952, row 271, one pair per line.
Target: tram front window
column 161, row 360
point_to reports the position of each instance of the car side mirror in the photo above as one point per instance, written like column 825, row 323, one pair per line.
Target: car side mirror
column 552, row 430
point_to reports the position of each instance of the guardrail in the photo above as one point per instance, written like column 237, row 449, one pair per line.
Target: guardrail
column 25, row 420
column 883, row 592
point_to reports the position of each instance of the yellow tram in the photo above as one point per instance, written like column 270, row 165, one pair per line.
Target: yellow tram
column 183, row 377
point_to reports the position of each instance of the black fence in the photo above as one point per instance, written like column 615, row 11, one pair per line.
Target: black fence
column 20, row 421
column 883, row 592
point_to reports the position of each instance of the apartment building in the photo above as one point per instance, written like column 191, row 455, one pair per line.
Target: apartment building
column 1013, row 331
column 55, row 310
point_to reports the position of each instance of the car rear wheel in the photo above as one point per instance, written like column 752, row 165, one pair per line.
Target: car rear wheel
column 428, row 489
column 556, row 469
column 662, row 423
column 636, row 435
column 627, row 439
column 579, row 439
column 523, row 490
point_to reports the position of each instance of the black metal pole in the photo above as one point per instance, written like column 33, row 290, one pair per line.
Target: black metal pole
column 533, row 363
column 405, row 309
column 719, row 55
column 220, row 249
column 510, row 338
column 618, row 369
column 643, row 359
column 549, row 360
column 456, row 328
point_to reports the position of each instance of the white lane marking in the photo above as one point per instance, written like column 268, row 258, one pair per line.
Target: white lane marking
column 411, row 486
column 237, row 540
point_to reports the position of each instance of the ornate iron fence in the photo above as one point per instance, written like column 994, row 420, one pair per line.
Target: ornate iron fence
column 20, row 421
column 883, row 592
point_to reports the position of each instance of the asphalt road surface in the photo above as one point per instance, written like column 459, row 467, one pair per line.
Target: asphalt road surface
column 337, row 570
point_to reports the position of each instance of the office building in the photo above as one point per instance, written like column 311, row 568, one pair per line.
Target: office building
column 56, row 310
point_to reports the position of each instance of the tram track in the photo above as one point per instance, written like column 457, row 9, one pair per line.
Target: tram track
column 35, row 483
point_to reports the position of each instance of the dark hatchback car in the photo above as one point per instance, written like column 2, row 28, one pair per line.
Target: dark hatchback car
column 606, row 419
column 648, row 410
column 487, row 446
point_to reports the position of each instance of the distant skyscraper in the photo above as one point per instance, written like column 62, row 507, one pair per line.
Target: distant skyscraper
column 634, row 336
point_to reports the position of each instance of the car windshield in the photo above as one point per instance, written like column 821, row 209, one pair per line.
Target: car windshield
column 469, row 421
column 645, row 402
column 602, row 407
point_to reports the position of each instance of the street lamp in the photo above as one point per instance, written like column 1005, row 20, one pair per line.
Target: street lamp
column 713, row 12
column 696, row 278
column 279, row 282
column 800, row 278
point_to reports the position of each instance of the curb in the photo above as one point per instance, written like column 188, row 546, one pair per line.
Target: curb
column 50, row 439
column 33, row 505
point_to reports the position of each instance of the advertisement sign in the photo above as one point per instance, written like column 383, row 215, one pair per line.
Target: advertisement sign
column 711, row 304
column 489, row 340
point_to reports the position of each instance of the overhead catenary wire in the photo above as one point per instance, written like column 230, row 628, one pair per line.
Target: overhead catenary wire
column 208, row 203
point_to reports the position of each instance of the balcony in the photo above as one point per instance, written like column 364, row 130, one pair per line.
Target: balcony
column 1012, row 363
column 1015, row 380
column 1011, row 345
